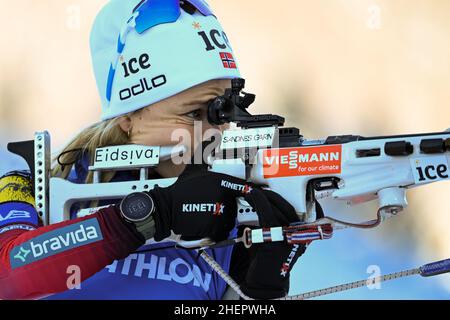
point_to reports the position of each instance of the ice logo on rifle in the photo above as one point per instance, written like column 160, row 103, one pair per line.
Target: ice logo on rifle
column 55, row 242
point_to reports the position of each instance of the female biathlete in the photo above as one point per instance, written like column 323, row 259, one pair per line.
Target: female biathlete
column 157, row 64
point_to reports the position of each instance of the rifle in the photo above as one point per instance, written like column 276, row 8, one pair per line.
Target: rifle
column 309, row 174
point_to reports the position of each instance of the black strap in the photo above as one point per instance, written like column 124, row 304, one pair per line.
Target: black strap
column 69, row 163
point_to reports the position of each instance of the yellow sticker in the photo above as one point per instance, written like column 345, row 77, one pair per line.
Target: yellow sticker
column 16, row 188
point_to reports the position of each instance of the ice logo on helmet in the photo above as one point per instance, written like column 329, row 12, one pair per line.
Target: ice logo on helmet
column 219, row 38
column 133, row 66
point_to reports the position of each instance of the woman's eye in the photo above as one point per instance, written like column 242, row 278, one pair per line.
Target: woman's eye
column 195, row 114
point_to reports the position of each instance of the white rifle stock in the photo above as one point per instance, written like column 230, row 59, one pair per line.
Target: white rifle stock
column 380, row 168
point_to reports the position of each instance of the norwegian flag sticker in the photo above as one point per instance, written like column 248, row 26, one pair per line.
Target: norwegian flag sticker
column 228, row 60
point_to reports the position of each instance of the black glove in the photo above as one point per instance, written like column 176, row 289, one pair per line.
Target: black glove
column 199, row 204
column 269, row 271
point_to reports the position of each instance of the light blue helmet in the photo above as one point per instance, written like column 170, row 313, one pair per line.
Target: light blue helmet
column 146, row 51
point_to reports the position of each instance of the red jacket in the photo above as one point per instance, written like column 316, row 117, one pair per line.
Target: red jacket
column 36, row 260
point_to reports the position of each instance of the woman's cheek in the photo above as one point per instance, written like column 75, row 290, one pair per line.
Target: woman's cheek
column 160, row 134
column 169, row 134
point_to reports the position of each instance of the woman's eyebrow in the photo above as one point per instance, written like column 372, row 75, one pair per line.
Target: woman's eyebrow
column 189, row 106
column 200, row 99
column 197, row 101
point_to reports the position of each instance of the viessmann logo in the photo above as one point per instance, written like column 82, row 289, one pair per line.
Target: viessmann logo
column 300, row 161
column 56, row 241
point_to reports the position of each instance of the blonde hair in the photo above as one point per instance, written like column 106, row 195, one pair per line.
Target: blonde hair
column 100, row 134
